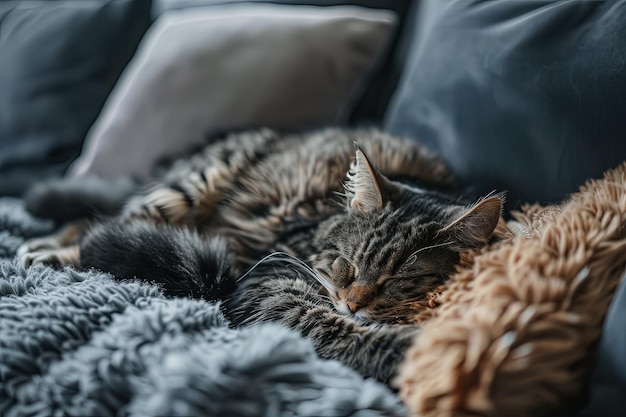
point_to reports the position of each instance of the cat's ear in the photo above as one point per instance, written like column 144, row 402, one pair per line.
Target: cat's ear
column 475, row 226
column 364, row 185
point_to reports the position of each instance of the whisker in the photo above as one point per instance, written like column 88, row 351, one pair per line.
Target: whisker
column 438, row 245
column 311, row 272
column 265, row 258
column 292, row 260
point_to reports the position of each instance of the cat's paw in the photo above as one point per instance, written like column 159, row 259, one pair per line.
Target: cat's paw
column 46, row 257
column 38, row 250
column 37, row 245
column 56, row 258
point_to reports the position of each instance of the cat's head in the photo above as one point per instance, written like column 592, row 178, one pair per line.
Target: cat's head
column 395, row 243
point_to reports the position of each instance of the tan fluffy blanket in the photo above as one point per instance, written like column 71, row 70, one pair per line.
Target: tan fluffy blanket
column 514, row 333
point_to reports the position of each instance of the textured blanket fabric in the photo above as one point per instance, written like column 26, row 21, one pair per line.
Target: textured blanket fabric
column 80, row 344
column 515, row 333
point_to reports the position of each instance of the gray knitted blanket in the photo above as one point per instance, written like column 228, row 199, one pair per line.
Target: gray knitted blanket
column 80, row 344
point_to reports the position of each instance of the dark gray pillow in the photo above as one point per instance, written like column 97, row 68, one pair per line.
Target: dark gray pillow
column 525, row 96
column 59, row 60
column 606, row 396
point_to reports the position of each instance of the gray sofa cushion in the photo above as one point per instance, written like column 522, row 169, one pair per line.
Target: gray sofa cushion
column 59, row 60
column 524, row 96
column 606, row 393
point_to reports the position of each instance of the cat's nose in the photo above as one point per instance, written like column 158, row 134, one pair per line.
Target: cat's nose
column 353, row 307
column 358, row 296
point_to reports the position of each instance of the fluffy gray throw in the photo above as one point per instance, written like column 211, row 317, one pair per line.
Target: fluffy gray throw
column 80, row 344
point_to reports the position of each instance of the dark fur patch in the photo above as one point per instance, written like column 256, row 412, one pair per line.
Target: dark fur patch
column 181, row 261
column 64, row 200
column 273, row 197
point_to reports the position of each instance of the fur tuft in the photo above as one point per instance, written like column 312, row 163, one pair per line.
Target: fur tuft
column 181, row 261
column 63, row 200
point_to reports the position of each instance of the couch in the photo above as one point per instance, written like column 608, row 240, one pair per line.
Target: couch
column 522, row 96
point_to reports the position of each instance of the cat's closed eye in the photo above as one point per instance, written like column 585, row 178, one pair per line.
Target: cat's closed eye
column 343, row 271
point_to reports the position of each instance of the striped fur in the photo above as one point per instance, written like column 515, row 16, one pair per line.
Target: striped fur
column 340, row 252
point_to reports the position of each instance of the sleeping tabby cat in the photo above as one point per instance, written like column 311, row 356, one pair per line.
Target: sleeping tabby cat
column 272, row 225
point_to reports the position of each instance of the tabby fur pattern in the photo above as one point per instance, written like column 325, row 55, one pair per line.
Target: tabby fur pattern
column 336, row 233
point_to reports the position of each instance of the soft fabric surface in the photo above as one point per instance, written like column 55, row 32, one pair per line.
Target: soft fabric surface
column 204, row 70
column 59, row 61
column 526, row 96
column 515, row 332
column 78, row 344
column 606, row 396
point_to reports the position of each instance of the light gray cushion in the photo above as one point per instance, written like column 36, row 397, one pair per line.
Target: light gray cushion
column 204, row 70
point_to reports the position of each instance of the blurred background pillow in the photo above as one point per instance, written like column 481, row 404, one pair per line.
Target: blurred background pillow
column 208, row 69
column 370, row 107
